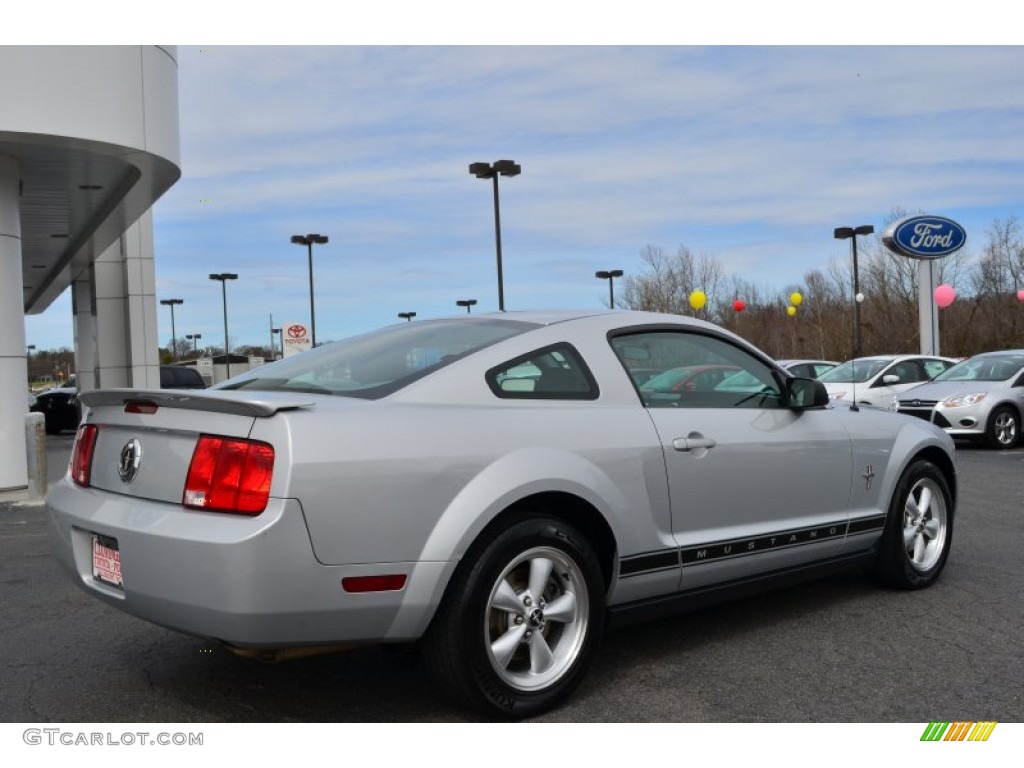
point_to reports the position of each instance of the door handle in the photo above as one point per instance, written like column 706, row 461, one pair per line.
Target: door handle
column 693, row 442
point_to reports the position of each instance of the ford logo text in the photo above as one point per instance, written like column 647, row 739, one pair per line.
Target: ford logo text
column 924, row 237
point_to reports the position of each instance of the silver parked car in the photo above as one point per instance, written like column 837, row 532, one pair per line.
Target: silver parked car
column 981, row 398
column 497, row 488
column 874, row 380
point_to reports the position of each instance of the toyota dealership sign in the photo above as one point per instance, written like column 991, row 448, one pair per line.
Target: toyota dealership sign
column 295, row 338
column 924, row 237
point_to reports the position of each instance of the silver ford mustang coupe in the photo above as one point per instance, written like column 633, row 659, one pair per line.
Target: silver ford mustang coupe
column 498, row 489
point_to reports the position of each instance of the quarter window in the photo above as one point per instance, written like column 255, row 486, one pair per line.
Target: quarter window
column 552, row 373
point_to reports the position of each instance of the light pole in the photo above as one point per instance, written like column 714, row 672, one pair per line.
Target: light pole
column 194, row 338
column 28, row 361
column 610, row 276
column 308, row 240
column 224, row 277
column 273, row 351
column 174, row 339
column 408, row 316
column 843, row 233
column 467, row 303
column 493, row 171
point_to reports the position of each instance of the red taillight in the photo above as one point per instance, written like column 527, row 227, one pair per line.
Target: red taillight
column 229, row 475
column 81, row 454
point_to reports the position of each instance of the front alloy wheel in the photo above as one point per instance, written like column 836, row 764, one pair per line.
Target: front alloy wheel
column 924, row 524
column 919, row 529
column 1002, row 428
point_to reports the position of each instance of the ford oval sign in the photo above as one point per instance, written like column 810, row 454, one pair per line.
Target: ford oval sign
column 924, row 237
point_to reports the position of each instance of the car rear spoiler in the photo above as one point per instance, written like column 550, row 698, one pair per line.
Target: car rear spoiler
column 241, row 404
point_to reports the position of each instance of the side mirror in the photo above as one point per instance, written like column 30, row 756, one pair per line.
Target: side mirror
column 805, row 393
column 890, row 378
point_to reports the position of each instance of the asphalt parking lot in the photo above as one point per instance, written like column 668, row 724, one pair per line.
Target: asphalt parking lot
column 837, row 650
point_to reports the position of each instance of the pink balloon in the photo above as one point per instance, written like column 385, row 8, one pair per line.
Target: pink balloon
column 944, row 295
column 1020, row 295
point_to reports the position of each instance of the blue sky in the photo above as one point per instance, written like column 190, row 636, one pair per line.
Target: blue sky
column 750, row 154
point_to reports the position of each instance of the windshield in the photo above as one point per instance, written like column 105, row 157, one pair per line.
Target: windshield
column 378, row 363
column 855, row 370
column 984, row 368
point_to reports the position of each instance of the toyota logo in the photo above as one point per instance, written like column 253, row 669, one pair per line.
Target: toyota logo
column 296, row 331
column 131, row 457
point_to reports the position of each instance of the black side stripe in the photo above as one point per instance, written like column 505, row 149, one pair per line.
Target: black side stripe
column 649, row 562
column 688, row 557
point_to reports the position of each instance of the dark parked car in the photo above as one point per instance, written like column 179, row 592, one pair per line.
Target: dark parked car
column 180, row 377
column 60, row 407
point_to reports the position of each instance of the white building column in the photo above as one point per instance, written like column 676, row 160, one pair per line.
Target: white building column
column 124, row 296
column 13, row 366
column 83, row 308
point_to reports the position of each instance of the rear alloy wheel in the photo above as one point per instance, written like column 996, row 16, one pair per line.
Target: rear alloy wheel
column 1003, row 428
column 520, row 622
column 919, row 529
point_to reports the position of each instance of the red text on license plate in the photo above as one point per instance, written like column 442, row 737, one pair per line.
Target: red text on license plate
column 106, row 560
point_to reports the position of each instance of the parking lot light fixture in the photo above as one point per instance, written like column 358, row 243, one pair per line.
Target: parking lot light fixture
column 851, row 233
column 273, row 352
column 610, row 276
column 467, row 303
column 309, row 241
column 408, row 316
column 224, row 277
column 493, row 171
column 174, row 339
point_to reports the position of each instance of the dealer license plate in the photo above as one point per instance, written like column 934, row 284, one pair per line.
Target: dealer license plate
column 106, row 560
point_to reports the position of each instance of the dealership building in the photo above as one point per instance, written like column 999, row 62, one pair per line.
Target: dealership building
column 88, row 142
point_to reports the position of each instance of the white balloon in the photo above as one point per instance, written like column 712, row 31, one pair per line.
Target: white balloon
column 859, row 297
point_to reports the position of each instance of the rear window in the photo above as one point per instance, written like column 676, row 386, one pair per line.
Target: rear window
column 180, row 378
column 381, row 362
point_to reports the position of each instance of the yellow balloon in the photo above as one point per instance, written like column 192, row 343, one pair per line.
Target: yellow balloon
column 795, row 299
column 790, row 310
column 698, row 299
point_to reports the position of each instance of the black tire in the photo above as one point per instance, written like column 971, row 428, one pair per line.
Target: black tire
column 496, row 645
column 919, row 529
column 1003, row 429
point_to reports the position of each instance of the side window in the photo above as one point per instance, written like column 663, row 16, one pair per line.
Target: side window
column 909, row 371
column 934, row 367
column 552, row 373
column 698, row 371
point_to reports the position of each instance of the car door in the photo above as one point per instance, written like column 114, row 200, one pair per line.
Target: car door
column 755, row 486
column 908, row 373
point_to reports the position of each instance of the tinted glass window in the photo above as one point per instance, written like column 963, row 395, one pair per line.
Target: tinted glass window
column 378, row 363
column 552, row 373
column 701, row 371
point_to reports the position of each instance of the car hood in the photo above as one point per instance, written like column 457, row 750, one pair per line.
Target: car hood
column 940, row 390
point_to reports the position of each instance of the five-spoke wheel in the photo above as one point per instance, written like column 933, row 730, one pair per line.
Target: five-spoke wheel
column 918, row 532
column 521, row 618
column 536, row 618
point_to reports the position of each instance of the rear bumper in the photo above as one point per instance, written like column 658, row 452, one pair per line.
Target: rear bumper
column 249, row 581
